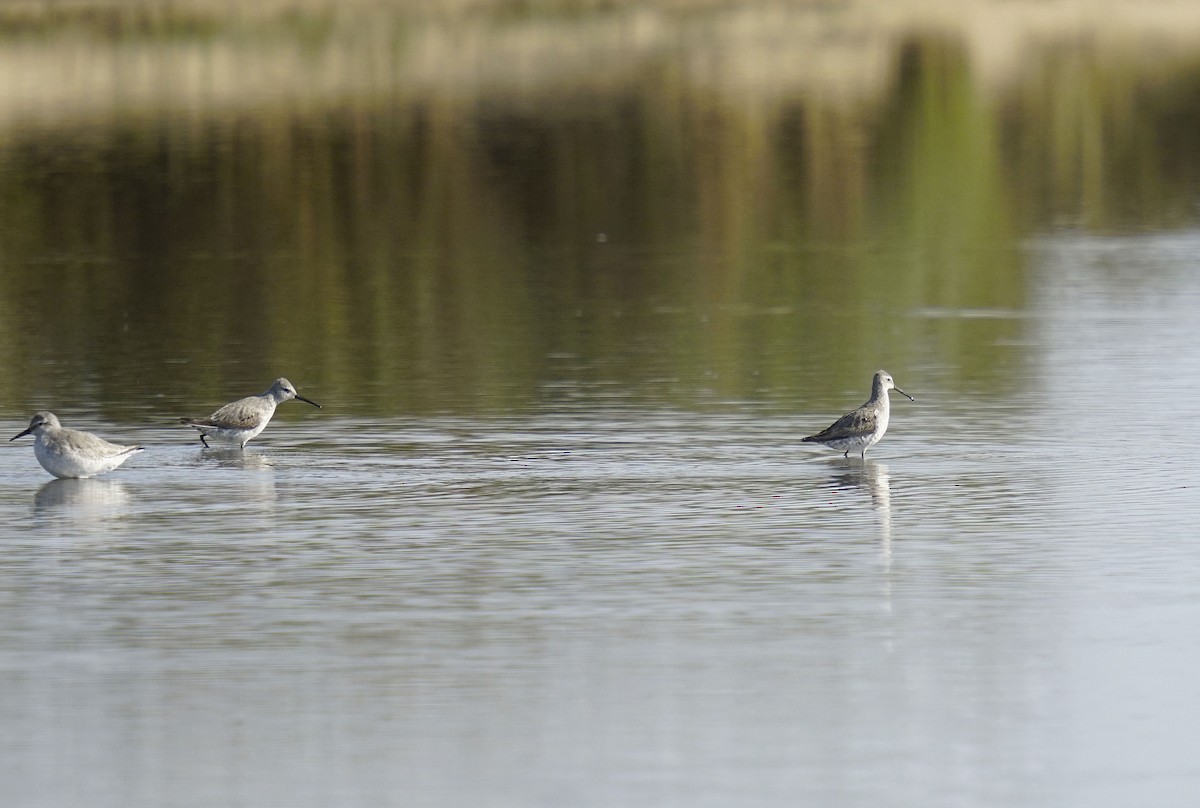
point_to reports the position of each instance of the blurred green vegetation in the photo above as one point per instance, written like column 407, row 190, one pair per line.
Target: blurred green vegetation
column 393, row 243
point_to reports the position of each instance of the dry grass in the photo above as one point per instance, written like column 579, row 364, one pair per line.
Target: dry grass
column 75, row 61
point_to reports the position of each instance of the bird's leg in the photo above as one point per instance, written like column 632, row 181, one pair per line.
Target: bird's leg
column 202, row 440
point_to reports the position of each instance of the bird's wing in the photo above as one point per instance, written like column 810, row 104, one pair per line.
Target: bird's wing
column 238, row 414
column 860, row 422
column 91, row 444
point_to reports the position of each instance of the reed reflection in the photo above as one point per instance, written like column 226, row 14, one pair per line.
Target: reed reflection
column 434, row 245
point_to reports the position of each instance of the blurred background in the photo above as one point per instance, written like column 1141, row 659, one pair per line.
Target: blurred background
column 487, row 205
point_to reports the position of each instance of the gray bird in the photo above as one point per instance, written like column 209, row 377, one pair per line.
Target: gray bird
column 862, row 428
column 241, row 420
column 70, row 453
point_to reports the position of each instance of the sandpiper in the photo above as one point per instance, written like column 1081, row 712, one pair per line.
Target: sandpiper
column 239, row 421
column 862, row 428
column 70, row 453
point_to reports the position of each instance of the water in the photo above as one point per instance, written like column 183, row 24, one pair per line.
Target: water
column 621, row 605
column 570, row 288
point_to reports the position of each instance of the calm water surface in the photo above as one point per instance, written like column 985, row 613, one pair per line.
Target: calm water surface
column 618, row 605
column 571, row 286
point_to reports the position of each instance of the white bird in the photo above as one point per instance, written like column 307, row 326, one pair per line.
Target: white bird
column 862, row 428
column 239, row 421
column 70, row 453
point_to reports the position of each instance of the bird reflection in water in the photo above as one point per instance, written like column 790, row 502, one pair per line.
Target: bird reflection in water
column 236, row 458
column 872, row 477
column 86, row 496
